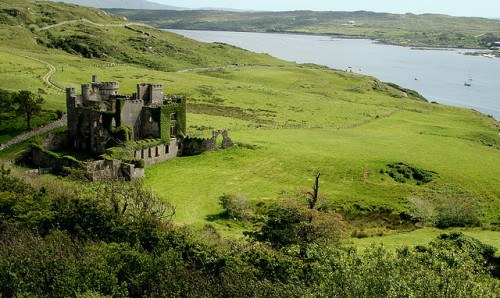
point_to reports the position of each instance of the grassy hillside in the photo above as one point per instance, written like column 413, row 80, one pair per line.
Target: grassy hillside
column 407, row 29
column 289, row 122
column 22, row 26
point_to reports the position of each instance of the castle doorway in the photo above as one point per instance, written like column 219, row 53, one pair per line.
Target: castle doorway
column 218, row 141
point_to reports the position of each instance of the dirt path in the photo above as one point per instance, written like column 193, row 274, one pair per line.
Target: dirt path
column 24, row 137
column 90, row 22
column 46, row 77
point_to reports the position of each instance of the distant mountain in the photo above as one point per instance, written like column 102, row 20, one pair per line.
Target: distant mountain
column 127, row 4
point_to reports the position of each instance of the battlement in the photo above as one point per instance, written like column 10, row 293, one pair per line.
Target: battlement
column 106, row 85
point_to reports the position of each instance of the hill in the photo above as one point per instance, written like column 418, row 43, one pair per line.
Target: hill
column 291, row 121
column 91, row 32
column 403, row 29
column 128, row 4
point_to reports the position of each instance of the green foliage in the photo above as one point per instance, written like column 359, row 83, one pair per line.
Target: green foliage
column 423, row 272
column 5, row 101
column 402, row 173
column 123, row 133
column 112, row 239
column 293, row 224
column 163, row 115
column 28, row 104
column 477, row 250
column 236, row 206
column 445, row 212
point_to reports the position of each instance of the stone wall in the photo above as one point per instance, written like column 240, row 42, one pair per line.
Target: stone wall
column 55, row 141
column 113, row 169
column 193, row 146
column 131, row 116
column 160, row 153
column 45, row 159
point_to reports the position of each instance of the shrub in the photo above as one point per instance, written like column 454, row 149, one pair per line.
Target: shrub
column 236, row 206
column 444, row 212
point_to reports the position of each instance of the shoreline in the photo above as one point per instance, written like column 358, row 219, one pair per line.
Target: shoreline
column 342, row 36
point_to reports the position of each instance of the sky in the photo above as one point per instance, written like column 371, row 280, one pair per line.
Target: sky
column 478, row 8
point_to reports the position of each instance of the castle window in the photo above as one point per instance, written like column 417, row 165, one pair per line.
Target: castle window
column 100, row 119
column 100, row 133
column 173, row 131
column 157, row 151
column 142, row 153
column 95, row 123
column 166, row 149
column 173, row 116
column 149, row 152
column 150, row 119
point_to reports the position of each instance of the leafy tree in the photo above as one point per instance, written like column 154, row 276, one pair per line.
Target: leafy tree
column 293, row 224
column 29, row 104
column 5, row 101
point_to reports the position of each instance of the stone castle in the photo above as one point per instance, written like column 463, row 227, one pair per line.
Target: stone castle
column 150, row 125
column 96, row 114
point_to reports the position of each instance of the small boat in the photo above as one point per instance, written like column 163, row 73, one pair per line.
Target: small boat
column 468, row 83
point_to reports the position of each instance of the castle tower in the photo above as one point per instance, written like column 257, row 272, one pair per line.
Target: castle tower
column 151, row 94
column 106, row 89
column 156, row 94
column 71, row 97
column 86, row 93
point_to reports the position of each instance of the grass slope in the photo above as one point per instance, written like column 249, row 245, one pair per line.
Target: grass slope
column 407, row 29
column 297, row 122
column 22, row 23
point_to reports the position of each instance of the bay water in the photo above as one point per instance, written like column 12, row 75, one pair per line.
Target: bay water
column 438, row 74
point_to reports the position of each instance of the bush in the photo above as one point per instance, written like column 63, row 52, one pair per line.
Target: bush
column 446, row 212
column 236, row 206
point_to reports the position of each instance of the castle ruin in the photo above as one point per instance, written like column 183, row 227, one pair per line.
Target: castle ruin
column 146, row 127
column 100, row 113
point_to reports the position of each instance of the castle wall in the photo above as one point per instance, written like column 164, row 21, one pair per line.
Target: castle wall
column 86, row 130
column 56, row 141
column 149, row 125
column 47, row 159
column 156, row 93
column 131, row 116
column 194, row 146
column 106, row 169
column 160, row 153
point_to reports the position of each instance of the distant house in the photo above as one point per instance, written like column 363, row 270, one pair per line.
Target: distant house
column 352, row 23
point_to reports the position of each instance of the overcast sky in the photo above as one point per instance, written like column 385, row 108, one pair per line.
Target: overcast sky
column 480, row 8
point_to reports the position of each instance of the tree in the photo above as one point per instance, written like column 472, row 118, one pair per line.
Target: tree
column 5, row 101
column 29, row 104
column 295, row 222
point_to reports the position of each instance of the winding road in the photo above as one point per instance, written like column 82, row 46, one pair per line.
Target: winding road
column 93, row 23
column 46, row 77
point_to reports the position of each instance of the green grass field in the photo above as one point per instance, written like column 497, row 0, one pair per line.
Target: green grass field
column 290, row 123
column 424, row 236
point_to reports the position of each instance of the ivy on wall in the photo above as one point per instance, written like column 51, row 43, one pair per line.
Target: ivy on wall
column 162, row 116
